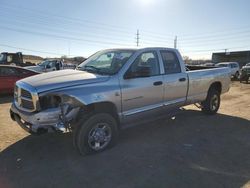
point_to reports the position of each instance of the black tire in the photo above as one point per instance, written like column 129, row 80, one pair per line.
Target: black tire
column 237, row 75
column 212, row 103
column 82, row 117
column 100, row 127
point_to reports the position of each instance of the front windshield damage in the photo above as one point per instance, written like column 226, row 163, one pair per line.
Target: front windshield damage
column 106, row 62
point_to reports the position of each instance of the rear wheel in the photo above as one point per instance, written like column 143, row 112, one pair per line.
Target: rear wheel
column 212, row 103
column 96, row 133
column 237, row 75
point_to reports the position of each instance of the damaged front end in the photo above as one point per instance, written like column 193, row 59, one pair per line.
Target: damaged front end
column 55, row 113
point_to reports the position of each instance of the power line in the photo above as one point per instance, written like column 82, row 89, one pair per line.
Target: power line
column 59, row 30
column 37, row 51
column 220, row 49
column 61, row 37
column 49, row 15
column 78, row 20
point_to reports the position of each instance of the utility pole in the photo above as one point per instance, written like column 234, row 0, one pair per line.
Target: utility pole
column 175, row 42
column 68, row 48
column 137, row 38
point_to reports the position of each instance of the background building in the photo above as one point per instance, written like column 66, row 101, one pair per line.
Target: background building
column 242, row 57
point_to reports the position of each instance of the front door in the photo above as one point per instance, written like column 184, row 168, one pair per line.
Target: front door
column 142, row 88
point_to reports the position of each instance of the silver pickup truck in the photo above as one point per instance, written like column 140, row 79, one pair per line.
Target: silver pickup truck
column 113, row 89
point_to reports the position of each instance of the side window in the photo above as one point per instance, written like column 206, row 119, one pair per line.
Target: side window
column 9, row 58
column 23, row 72
column 145, row 65
column 5, row 71
column 235, row 65
column 171, row 62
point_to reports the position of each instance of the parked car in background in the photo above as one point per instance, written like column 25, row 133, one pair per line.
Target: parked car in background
column 209, row 64
column 245, row 73
column 246, row 66
column 10, row 74
column 15, row 59
column 47, row 66
column 234, row 67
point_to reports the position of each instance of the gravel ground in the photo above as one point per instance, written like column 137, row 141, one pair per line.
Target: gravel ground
column 192, row 150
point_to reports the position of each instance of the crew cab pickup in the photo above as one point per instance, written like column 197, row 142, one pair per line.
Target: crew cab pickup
column 114, row 89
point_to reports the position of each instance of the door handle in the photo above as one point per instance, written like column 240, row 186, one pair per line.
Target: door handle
column 182, row 79
column 158, row 83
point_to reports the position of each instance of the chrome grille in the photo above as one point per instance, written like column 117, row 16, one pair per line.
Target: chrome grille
column 25, row 97
column 27, row 104
column 26, row 94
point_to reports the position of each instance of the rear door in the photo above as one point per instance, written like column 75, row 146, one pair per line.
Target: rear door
column 142, row 96
column 175, row 80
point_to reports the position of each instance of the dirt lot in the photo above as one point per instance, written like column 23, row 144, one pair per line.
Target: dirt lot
column 192, row 150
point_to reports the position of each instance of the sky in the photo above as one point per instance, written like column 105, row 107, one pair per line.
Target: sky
column 52, row 28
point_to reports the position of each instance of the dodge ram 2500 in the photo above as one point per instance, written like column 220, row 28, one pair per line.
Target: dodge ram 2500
column 113, row 89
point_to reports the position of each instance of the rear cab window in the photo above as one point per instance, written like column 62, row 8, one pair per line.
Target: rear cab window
column 170, row 62
column 8, row 71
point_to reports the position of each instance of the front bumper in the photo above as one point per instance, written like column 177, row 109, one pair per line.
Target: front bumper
column 32, row 122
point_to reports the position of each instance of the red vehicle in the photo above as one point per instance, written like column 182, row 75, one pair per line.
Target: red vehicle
column 10, row 74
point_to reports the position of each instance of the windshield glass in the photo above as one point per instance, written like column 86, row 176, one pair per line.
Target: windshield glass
column 2, row 57
column 223, row 65
column 106, row 62
column 46, row 62
column 43, row 63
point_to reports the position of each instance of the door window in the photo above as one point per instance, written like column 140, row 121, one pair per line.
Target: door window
column 6, row 71
column 145, row 65
column 170, row 62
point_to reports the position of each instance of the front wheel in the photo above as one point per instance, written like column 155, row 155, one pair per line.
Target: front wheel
column 96, row 133
column 212, row 103
column 237, row 75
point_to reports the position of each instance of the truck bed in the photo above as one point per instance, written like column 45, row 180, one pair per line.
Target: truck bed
column 200, row 78
column 198, row 67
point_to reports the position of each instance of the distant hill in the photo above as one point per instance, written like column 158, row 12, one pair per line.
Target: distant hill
column 32, row 59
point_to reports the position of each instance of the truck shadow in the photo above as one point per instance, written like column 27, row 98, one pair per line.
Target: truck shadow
column 190, row 150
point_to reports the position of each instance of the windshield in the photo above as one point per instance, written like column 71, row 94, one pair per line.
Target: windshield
column 223, row 65
column 43, row 63
column 106, row 62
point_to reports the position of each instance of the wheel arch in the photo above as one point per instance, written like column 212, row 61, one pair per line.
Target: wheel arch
column 217, row 86
column 102, row 107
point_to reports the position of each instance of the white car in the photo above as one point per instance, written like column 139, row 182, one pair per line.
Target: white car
column 234, row 67
column 47, row 66
column 246, row 66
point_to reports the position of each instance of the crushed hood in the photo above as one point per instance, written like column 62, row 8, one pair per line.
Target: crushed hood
column 64, row 78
